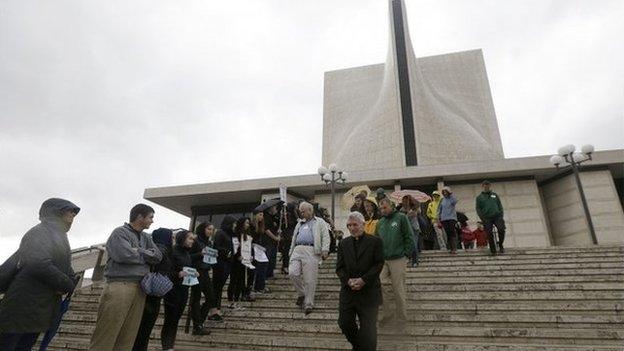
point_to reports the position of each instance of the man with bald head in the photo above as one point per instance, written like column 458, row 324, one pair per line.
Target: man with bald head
column 360, row 261
column 310, row 244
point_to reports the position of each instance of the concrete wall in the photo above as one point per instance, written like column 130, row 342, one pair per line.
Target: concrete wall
column 567, row 219
column 524, row 215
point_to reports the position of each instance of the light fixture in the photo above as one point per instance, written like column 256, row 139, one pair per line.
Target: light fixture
column 566, row 150
column 566, row 154
column 333, row 167
column 556, row 160
column 322, row 171
column 587, row 149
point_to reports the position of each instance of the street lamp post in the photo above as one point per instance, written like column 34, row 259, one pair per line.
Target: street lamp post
column 574, row 159
column 332, row 175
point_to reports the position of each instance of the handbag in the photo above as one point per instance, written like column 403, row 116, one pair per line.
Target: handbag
column 8, row 271
column 156, row 284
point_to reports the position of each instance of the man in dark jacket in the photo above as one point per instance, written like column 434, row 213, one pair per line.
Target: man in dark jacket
column 490, row 210
column 130, row 253
column 32, row 302
column 360, row 261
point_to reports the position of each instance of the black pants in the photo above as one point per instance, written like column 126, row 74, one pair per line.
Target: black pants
column 175, row 302
column 199, row 311
column 488, row 224
column 260, row 275
column 237, row 282
column 284, row 249
column 18, row 341
column 150, row 314
column 468, row 245
column 449, row 227
column 364, row 337
column 271, row 252
column 221, row 273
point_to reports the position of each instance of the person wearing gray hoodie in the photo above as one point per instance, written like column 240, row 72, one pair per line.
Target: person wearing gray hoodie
column 130, row 251
column 37, row 276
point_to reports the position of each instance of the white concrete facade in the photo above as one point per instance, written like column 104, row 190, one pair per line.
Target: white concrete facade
column 568, row 224
column 452, row 111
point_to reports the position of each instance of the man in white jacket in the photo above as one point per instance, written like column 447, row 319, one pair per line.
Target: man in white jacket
column 310, row 244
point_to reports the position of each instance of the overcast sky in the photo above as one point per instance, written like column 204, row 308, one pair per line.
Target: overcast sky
column 101, row 99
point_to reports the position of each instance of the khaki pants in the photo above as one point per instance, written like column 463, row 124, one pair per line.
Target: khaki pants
column 441, row 236
column 119, row 317
column 303, row 271
column 394, row 271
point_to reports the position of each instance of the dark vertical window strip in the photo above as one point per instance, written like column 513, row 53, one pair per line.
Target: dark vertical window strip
column 404, row 86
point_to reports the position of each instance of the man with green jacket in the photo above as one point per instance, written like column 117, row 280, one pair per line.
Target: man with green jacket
column 396, row 232
column 490, row 210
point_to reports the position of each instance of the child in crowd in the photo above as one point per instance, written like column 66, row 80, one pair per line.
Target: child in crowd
column 480, row 235
column 467, row 235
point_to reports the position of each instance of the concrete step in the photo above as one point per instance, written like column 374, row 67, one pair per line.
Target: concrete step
column 549, row 320
column 263, row 343
column 325, row 331
column 532, row 299
column 581, row 307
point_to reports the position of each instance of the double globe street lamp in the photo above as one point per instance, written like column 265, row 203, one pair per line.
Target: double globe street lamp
column 574, row 160
column 332, row 175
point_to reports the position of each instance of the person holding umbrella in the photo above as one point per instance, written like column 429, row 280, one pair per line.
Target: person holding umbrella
column 371, row 215
column 272, row 230
column 40, row 276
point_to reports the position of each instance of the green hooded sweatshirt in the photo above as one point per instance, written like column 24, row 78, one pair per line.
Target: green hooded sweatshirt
column 397, row 235
column 489, row 205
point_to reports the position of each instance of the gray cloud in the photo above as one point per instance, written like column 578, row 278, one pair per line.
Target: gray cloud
column 99, row 100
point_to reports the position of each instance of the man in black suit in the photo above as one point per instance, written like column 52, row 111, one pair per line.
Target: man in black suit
column 360, row 260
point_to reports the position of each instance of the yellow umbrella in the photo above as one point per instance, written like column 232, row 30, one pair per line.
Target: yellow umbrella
column 348, row 199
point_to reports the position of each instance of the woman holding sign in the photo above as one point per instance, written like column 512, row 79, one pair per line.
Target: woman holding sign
column 242, row 259
column 203, row 256
column 182, row 275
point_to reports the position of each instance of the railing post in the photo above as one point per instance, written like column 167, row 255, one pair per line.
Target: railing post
column 98, row 270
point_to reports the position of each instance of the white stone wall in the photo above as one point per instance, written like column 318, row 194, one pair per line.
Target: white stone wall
column 567, row 219
column 523, row 212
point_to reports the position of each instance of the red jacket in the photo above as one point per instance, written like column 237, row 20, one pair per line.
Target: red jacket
column 481, row 237
column 467, row 234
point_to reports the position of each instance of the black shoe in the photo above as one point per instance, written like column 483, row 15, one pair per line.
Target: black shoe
column 248, row 298
column 308, row 310
column 300, row 300
column 500, row 248
column 492, row 253
column 201, row 331
column 216, row 318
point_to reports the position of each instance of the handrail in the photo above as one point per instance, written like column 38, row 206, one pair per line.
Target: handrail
column 86, row 258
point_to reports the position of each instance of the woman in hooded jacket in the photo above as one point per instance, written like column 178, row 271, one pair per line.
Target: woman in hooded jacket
column 175, row 300
column 221, row 271
column 163, row 238
column 204, row 234
column 39, row 276
column 241, row 240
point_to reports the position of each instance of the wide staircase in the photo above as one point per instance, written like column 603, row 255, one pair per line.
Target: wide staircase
column 526, row 299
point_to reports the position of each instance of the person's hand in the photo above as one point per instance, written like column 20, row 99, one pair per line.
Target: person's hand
column 324, row 256
column 357, row 284
column 182, row 274
column 197, row 275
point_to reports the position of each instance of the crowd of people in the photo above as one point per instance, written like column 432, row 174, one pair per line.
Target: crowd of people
column 185, row 265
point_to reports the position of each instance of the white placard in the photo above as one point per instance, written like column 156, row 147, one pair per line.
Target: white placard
column 191, row 276
column 210, row 255
column 283, row 192
column 260, row 253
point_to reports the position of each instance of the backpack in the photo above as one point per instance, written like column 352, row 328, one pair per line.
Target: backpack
column 8, row 271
